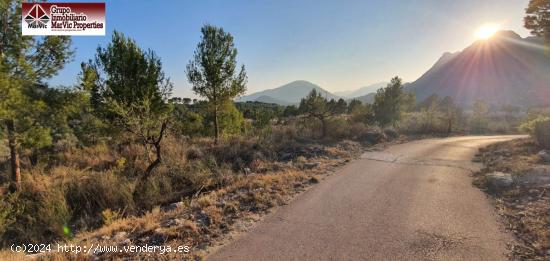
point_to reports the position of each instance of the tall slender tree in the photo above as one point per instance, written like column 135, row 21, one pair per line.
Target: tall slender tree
column 213, row 73
column 25, row 62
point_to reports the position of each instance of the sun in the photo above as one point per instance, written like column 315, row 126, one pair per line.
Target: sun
column 486, row 31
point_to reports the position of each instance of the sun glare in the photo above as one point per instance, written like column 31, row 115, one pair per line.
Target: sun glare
column 486, row 31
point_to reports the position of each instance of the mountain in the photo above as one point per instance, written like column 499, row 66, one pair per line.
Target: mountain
column 268, row 99
column 362, row 91
column 505, row 69
column 290, row 93
column 369, row 98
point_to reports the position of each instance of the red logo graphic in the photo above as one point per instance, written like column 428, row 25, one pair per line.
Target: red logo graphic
column 37, row 17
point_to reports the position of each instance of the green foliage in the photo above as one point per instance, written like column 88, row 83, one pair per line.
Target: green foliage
column 187, row 122
column 40, row 214
column 25, row 62
column 339, row 107
column 290, row 111
column 314, row 105
column 260, row 113
column 363, row 114
column 231, row 120
column 354, row 105
column 537, row 19
column 479, row 122
column 538, row 125
column 542, row 133
column 129, row 89
column 7, row 215
column 388, row 103
column 127, row 84
column 212, row 72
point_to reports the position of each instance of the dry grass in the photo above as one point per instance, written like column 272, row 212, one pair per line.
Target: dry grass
column 526, row 209
column 203, row 221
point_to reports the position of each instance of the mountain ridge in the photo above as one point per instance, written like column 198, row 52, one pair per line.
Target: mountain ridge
column 506, row 69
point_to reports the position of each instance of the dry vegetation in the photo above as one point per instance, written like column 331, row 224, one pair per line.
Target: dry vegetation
column 524, row 207
column 200, row 193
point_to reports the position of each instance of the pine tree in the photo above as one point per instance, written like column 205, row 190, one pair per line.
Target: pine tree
column 213, row 74
column 25, row 62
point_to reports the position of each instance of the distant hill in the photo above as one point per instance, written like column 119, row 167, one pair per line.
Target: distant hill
column 268, row 99
column 290, row 93
column 369, row 98
column 505, row 69
column 362, row 91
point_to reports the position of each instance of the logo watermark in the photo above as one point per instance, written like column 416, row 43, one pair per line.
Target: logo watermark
column 63, row 18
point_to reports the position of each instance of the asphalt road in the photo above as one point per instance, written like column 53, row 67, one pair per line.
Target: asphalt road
column 412, row 201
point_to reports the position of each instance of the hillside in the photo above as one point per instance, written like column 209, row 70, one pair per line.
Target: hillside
column 505, row 69
column 290, row 93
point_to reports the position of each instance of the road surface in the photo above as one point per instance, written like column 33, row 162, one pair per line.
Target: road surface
column 413, row 201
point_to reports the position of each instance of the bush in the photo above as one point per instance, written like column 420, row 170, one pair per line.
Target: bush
column 90, row 194
column 542, row 133
column 539, row 128
column 37, row 213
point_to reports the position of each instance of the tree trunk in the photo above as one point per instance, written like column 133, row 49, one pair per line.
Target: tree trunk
column 216, row 126
column 157, row 146
column 14, row 156
column 449, row 127
column 157, row 160
column 324, row 124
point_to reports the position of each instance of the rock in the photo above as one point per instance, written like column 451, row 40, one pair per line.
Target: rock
column 544, row 156
column 172, row 222
column 311, row 165
column 172, row 206
column 126, row 242
column 247, row 171
column 539, row 175
column 497, row 181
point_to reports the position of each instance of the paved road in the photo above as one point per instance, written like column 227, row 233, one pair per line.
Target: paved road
column 412, row 201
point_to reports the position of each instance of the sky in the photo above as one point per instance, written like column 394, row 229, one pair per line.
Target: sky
column 339, row 44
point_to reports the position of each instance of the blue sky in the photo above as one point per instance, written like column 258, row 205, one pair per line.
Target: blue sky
column 339, row 45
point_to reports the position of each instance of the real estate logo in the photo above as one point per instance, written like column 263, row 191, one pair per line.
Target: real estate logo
column 63, row 19
column 37, row 17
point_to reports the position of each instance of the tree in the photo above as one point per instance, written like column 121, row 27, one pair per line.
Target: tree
column 340, row 107
column 537, row 19
column 212, row 72
column 314, row 105
column 290, row 111
column 388, row 103
column 363, row 113
column 408, row 101
column 25, row 62
column 450, row 112
column 353, row 105
column 129, row 88
column 480, row 116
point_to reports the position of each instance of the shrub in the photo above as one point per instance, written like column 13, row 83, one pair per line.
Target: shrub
column 391, row 133
column 542, row 133
column 35, row 214
column 90, row 194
